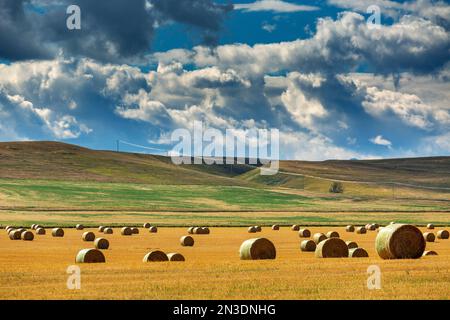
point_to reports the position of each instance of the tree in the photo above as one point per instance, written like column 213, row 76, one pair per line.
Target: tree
column 336, row 187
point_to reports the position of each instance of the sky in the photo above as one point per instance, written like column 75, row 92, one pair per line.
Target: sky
column 332, row 83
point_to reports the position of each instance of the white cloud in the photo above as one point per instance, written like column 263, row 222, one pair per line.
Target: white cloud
column 269, row 27
column 379, row 140
column 277, row 6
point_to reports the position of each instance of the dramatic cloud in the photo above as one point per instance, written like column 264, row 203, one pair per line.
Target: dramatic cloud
column 277, row 6
column 115, row 31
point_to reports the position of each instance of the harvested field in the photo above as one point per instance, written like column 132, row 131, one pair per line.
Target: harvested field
column 37, row 269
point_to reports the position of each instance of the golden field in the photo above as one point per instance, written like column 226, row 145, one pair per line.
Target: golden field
column 213, row 270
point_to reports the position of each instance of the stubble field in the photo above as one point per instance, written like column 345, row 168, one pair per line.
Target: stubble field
column 213, row 270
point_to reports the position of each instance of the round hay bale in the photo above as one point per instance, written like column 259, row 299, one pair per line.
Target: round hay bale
column 205, row 230
column 252, row 229
column 175, row 257
column 304, row 233
column 27, row 236
column 350, row 228
column 57, row 232
column 429, row 253
column 295, row 227
column 308, row 246
column 14, row 234
column 319, row 237
column 147, row 225
column 442, row 234
column 134, row 230
column 126, row 231
column 101, row 228
column 155, row 256
column 79, row 227
column 400, row 241
column 90, row 256
column 371, row 227
column 21, row 230
column 8, row 229
column 32, row 226
column 430, row 226
column 332, row 234
column 101, row 243
column 153, row 229
column 258, row 228
column 429, row 236
column 108, row 231
column 351, row 244
column 187, row 241
column 332, row 248
column 196, row 230
column 191, row 230
column 275, row 227
column 357, row 253
column 40, row 231
column 361, row 230
column 88, row 236
column 257, row 249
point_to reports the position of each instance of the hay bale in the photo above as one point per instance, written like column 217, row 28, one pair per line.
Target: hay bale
column 40, row 231
column 155, row 256
column 361, row 230
column 32, row 226
column 101, row 229
column 442, row 234
column 258, row 228
column 275, row 227
column 57, row 232
column 153, row 229
column 331, row 248
column 429, row 236
column 319, row 237
column 27, row 236
column 196, row 230
column 88, row 236
column 400, row 241
column 332, row 234
column 371, row 227
column 429, row 253
column 351, row 244
column 126, row 231
column 14, row 234
column 8, row 229
column 147, row 225
column 350, row 228
column 357, row 253
column 430, row 226
column 101, row 243
column 308, row 246
column 304, row 233
column 187, row 241
column 257, row 249
column 79, row 227
column 108, row 231
column 295, row 227
column 175, row 257
column 252, row 229
column 134, row 230
column 21, row 230
column 191, row 230
column 205, row 230
column 90, row 256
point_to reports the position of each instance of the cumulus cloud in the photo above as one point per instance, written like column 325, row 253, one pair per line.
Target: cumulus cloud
column 379, row 140
column 114, row 32
column 277, row 6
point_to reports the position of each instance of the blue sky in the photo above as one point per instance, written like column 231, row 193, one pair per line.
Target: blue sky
column 334, row 86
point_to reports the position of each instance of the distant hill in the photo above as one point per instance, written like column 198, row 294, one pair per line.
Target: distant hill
column 60, row 161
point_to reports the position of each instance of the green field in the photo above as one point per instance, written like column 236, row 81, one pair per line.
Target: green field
column 59, row 183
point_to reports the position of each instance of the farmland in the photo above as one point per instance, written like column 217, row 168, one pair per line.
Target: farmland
column 212, row 270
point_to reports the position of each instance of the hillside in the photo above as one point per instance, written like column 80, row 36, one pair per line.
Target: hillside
column 59, row 161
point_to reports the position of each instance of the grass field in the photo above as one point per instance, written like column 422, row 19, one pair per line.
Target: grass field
column 37, row 269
